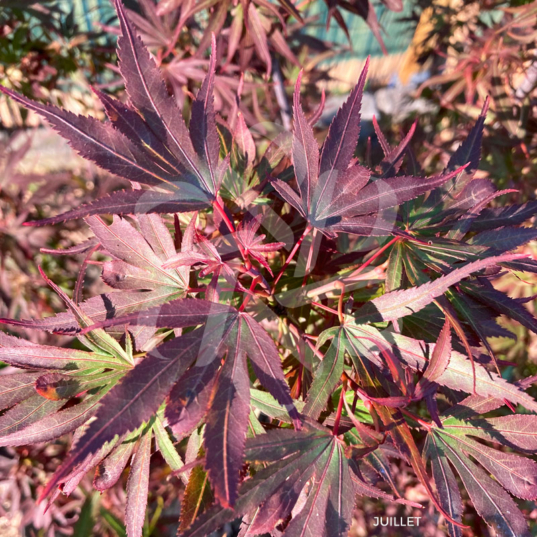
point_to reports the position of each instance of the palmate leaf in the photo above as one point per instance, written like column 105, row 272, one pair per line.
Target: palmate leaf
column 226, row 400
column 252, row 243
column 474, row 461
column 345, row 341
column 148, row 94
column 293, row 459
column 456, row 206
column 138, row 256
column 102, row 144
column 143, row 389
column 439, row 255
column 122, row 241
column 149, row 144
column 121, row 411
column 258, row 344
column 334, row 194
column 35, row 416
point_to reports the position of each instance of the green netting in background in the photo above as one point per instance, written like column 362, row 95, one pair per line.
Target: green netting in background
column 397, row 36
column 88, row 12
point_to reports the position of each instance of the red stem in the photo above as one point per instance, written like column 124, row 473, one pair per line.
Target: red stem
column 314, row 349
column 249, row 296
column 323, row 307
column 230, row 225
column 291, row 255
column 340, row 315
column 373, row 257
column 196, row 290
column 423, row 423
column 82, row 273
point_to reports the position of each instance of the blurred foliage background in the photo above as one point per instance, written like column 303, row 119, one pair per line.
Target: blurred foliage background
column 432, row 61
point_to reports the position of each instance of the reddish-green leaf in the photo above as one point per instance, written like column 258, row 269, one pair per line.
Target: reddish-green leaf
column 438, row 363
column 203, row 123
column 327, row 375
column 16, row 387
column 397, row 304
column 138, row 487
column 128, row 202
column 110, row 469
column 54, row 424
column 48, row 357
column 148, row 94
column 518, row 475
column 136, row 398
column 227, row 423
column 197, row 497
column 27, row 412
column 102, row 144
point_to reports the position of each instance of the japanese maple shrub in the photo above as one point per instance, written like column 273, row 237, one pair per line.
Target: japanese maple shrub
column 292, row 364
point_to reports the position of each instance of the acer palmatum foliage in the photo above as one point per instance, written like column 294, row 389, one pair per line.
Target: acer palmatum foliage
column 238, row 315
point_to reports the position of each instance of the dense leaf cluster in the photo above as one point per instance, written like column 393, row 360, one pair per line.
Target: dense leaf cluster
column 288, row 386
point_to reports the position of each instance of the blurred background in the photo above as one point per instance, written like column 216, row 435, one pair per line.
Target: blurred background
column 432, row 61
